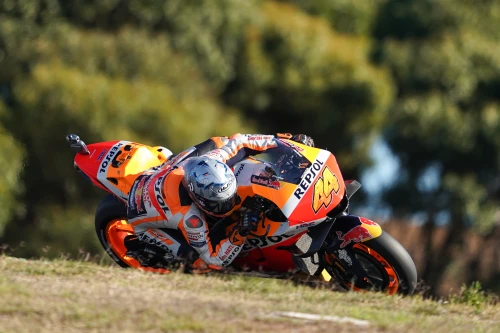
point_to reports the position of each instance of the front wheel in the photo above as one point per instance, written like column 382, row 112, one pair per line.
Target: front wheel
column 380, row 264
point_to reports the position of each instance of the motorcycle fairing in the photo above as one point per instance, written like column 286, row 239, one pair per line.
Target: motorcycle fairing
column 265, row 257
column 351, row 229
column 115, row 165
column 321, row 189
column 309, row 198
column 90, row 163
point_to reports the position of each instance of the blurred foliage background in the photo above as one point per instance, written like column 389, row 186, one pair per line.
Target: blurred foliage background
column 421, row 76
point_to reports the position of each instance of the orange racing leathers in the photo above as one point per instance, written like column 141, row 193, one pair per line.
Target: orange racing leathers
column 159, row 200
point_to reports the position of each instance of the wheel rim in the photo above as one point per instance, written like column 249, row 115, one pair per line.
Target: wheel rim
column 115, row 233
column 381, row 274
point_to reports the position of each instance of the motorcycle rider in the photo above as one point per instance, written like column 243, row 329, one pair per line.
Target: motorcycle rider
column 191, row 186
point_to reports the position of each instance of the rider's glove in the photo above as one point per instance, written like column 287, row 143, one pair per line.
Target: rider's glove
column 304, row 139
column 248, row 223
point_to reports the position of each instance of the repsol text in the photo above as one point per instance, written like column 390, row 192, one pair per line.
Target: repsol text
column 308, row 178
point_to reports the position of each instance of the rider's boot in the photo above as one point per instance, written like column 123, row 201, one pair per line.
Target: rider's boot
column 160, row 247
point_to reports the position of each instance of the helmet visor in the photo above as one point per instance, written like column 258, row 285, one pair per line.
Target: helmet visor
column 220, row 206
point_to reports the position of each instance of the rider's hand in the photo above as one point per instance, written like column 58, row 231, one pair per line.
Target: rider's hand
column 248, row 223
column 304, row 139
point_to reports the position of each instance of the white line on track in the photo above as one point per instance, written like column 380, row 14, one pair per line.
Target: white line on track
column 310, row 316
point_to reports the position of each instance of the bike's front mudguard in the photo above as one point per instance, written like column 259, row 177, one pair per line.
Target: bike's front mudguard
column 350, row 229
column 385, row 264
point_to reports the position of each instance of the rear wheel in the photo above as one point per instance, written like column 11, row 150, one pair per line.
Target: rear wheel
column 384, row 263
column 112, row 228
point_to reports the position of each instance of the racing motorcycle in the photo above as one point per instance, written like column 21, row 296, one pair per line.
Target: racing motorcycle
column 299, row 191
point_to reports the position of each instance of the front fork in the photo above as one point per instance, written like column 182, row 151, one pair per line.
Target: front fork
column 347, row 230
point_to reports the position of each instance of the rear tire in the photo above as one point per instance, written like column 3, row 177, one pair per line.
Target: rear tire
column 112, row 230
column 388, row 265
column 110, row 209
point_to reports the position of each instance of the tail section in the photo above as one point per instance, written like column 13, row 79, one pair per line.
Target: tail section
column 114, row 165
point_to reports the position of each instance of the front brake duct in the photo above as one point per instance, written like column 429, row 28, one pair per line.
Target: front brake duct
column 310, row 242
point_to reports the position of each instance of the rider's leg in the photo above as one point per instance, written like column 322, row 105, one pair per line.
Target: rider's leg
column 161, row 244
column 162, row 240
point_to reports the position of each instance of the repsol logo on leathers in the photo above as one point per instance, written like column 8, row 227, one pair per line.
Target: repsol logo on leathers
column 153, row 241
column 109, row 157
column 158, row 195
column 308, row 178
column 229, row 254
column 237, row 173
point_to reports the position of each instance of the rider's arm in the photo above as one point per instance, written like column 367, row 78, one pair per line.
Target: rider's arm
column 195, row 230
column 240, row 146
column 210, row 144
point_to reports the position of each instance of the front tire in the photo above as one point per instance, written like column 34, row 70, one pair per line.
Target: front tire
column 387, row 264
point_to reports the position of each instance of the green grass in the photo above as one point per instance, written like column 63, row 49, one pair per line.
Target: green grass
column 72, row 296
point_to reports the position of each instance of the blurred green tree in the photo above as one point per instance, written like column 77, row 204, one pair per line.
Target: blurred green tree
column 354, row 17
column 128, row 84
column 424, row 74
column 445, row 120
column 11, row 164
column 295, row 73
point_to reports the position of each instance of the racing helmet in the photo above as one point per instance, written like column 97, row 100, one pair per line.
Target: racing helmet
column 211, row 184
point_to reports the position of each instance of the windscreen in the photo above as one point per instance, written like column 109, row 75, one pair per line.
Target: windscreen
column 284, row 163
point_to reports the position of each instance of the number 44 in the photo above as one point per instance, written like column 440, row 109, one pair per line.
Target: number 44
column 323, row 188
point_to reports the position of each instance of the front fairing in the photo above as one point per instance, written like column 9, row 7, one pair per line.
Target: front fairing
column 304, row 182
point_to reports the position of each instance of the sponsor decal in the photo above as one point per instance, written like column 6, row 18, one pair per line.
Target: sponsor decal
column 291, row 145
column 101, row 155
column 131, row 201
column 304, row 225
column 225, row 187
column 230, row 253
column 260, row 137
column 264, row 242
column 366, row 221
column 138, row 194
column 237, row 173
column 109, row 157
column 228, row 250
column 198, row 244
column 158, row 188
column 131, row 196
column 323, row 188
column 196, row 236
column 145, row 193
column 264, row 181
column 356, row 235
column 153, row 241
column 308, row 178
column 344, row 256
